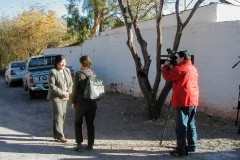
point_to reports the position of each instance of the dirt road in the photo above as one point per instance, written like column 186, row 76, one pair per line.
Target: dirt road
column 122, row 131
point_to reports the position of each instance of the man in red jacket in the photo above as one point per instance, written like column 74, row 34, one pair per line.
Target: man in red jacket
column 185, row 98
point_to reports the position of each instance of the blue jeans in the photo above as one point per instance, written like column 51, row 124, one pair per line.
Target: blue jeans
column 186, row 129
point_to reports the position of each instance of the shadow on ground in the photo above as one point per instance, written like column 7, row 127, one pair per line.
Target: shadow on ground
column 123, row 130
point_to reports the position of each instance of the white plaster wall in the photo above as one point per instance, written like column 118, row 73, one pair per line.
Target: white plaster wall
column 72, row 55
column 215, row 47
column 204, row 14
column 113, row 62
column 227, row 12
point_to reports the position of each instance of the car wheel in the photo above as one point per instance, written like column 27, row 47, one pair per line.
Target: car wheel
column 31, row 94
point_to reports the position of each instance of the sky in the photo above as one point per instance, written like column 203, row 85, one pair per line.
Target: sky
column 11, row 7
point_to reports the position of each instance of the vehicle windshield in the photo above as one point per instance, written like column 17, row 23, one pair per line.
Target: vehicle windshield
column 42, row 61
column 17, row 65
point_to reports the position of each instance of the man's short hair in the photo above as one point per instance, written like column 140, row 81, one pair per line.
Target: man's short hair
column 184, row 54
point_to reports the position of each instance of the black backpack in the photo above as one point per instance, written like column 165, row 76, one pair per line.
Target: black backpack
column 94, row 89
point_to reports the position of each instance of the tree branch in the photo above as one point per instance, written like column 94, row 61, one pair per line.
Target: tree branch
column 198, row 3
column 144, row 83
column 158, row 46
column 146, row 12
column 129, row 32
column 179, row 21
column 140, row 40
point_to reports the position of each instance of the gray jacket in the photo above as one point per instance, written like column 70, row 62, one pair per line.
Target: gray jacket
column 57, row 86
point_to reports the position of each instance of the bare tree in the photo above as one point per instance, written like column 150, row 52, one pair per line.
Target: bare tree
column 131, row 11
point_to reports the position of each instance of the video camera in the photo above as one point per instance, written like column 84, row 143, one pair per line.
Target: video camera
column 171, row 56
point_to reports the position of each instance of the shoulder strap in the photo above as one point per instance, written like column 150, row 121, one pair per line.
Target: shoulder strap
column 84, row 73
column 87, row 74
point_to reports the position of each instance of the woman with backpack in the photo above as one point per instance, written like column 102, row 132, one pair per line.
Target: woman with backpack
column 82, row 107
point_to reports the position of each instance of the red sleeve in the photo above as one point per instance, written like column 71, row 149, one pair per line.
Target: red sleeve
column 171, row 74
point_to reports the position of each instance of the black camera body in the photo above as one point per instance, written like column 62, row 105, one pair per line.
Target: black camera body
column 171, row 56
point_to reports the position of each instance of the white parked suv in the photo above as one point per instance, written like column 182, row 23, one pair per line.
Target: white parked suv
column 14, row 72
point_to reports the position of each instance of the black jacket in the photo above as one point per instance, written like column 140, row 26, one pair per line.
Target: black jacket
column 80, row 81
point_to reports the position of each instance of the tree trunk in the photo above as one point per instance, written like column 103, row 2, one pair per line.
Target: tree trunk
column 144, row 84
column 96, row 22
column 102, row 22
column 163, row 96
column 149, row 96
column 142, row 70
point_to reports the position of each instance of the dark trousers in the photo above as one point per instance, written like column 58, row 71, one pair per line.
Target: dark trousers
column 58, row 114
column 78, row 126
column 186, row 129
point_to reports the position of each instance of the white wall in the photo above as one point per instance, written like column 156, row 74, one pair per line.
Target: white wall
column 205, row 14
column 214, row 45
column 72, row 54
column 227, row 12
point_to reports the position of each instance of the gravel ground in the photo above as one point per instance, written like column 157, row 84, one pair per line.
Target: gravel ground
column 123, row 131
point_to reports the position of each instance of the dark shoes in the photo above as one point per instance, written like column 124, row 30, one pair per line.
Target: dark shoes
column 78, row 148
column 62, row 139
column 89, row 148
column 191, row 149
column 174, row 154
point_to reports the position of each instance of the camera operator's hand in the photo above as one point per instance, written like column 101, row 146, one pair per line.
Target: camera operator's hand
column 171, row 66
column 167, row 62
